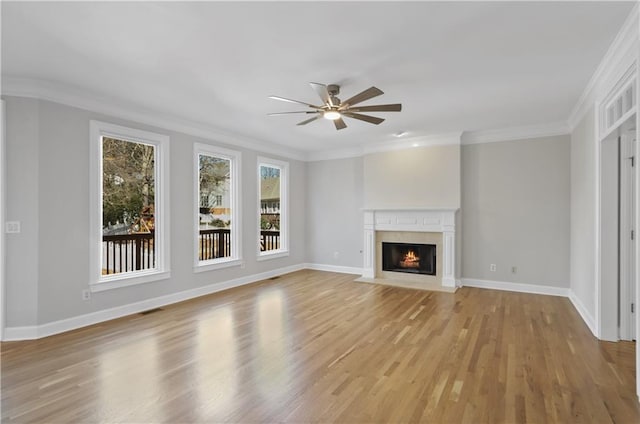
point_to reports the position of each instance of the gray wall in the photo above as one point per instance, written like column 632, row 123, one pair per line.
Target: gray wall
column 48, row 191
column 22, row 205
column 514, row 199
column 334, row 212
column 609, row 243
column 427, row 177
column 515, row 211
column 583, row 218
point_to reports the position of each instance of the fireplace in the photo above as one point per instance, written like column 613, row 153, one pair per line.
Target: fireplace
column 435, row 227
column 411, row 258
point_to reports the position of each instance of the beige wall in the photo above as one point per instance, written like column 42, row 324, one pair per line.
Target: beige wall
column 515, row 211
column 424, row 177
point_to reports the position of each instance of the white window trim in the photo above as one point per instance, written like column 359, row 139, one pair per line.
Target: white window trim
column 98, row 282
column 235, row 159
column 284, row 209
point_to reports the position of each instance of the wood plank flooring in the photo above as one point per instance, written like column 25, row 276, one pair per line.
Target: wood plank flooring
column 314, row 346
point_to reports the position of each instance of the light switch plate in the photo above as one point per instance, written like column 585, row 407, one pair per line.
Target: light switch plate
column 12, row 227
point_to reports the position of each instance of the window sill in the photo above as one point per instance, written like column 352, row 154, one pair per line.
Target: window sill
column 214, row 264
column 274, row 254
column 118, row 282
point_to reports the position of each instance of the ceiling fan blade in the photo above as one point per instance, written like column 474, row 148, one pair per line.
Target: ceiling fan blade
column 322, row 91
column 288, row 113
column 367, row 94
column 293, row 101
column 397, row 107
column 339, row 123
column 310, row 120
column 366, row 118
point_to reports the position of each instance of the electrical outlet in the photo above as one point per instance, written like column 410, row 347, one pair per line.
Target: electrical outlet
column 336, row 255
column 86, row 294
column 12, row 227
column 492, row 268
column 514, row 269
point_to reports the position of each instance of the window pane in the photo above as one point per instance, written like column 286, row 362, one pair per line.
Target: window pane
column 269, row 208
column 128, row 206
column 214, row 197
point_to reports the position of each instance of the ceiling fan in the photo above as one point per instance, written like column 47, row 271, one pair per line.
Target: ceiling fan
column 334, row 109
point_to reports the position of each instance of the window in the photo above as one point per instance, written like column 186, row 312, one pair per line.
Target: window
column 273, row 187
column 129, row 217
column 217, row 232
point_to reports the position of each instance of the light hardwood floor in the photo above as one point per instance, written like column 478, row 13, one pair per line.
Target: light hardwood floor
column 315, row 346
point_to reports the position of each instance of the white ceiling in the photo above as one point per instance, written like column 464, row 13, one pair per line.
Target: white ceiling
column 454, row 66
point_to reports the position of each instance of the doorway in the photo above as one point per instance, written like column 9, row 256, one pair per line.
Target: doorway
column 617, row 233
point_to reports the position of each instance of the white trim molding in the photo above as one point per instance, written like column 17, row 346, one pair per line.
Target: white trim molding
column 283, row 166
column 334, row 154
column 450, row 139
column 235, row 166
column 588, row 319
column 75, row 97
column 607, row 72
column 83, row 99
column 334, row 268
column 537, row 289
column 162, row 243
column 3, row 203
column 516, row 287
column 68, row 324
column 516, row 133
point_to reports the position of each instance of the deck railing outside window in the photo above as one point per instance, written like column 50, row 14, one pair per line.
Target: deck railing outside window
column 135, row 252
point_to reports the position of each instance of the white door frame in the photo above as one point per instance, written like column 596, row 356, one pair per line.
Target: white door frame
column 627, row 226
column 602, row 131
column 3, row 204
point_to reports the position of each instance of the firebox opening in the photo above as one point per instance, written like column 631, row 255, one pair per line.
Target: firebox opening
column 409, row 257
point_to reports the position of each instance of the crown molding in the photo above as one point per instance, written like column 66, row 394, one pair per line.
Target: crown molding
column 622, row 49
column 516, row 133
column 449, row 139
column 82, row 99
column 334, row 154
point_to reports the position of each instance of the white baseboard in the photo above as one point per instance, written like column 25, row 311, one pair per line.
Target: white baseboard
column 20, row 333
column 516, row 287
column 334, row 268
column 584, row 313
column 535, row 289
column 61, row 326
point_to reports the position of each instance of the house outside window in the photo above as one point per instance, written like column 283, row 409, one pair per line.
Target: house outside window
column 217, row 232
column 273, row 217
column 129, row 217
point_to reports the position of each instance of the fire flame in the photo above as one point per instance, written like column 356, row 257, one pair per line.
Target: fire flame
column 410, row 260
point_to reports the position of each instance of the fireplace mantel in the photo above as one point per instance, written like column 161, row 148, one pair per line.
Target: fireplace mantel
column 432, row 220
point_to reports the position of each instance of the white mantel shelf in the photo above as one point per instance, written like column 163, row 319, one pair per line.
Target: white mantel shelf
column 432, row 220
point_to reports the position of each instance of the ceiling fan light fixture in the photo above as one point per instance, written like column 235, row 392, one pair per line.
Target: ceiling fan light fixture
column 332, row 109
column 332, row 115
